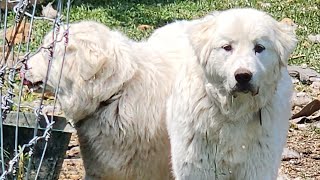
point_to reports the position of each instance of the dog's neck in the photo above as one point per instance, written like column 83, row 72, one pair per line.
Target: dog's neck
column 242, row 105
column 80, row 104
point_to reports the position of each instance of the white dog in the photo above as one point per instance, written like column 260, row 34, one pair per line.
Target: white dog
column 228, row 114
column 115, row 91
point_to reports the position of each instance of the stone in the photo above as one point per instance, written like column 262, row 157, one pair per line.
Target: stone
column 300, row 99
column 289, row 154
column 315, row 85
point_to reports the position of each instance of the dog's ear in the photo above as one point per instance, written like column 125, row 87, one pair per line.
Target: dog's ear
column 200, row 37
column 90, row 59
column 286, row 41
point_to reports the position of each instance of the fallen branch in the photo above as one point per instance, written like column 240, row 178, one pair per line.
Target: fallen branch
column 297, row 56
column 308, row 110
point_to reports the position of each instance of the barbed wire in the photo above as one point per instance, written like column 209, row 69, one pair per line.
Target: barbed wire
column 7, row 77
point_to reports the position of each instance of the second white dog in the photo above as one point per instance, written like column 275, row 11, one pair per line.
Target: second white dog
column 228, row 114
column 114, row 90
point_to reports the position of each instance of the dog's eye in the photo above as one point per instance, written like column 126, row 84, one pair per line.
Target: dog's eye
column 258, row 48
column 227, row 47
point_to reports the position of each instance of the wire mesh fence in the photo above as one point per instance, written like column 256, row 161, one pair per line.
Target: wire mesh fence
column 26, row 129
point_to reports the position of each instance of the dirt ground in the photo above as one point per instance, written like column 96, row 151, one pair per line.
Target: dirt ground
column 307, row 143
column 72, row 167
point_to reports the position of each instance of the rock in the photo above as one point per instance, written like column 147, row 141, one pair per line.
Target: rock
column 301, row 126
column 293, row 161
column 300, row 99
column 315, row 85
column 303, row 73
column 315, row 79
column 304, row 66
column 289, row 154
column 314, row 38
column 298, row 120
column 283, row 177
column 294, row 80
column 74, row 152
column 317, row 125
column 301, row 94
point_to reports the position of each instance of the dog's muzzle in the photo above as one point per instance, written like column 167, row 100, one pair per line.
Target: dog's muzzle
column 30, row 84
column 245, row 88
column 243, row 77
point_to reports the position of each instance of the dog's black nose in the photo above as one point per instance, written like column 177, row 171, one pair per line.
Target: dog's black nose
column 242, row 75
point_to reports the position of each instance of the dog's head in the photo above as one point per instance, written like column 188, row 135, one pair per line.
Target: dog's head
column 242, row 50
column 86, row 69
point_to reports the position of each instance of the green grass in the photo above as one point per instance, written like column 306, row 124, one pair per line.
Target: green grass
column 126, row 15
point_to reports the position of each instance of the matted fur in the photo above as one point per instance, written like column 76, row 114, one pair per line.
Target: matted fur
column 114, row 90
column 215, row 132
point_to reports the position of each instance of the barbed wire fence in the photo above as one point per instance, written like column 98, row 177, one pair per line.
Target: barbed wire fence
column 19, row 164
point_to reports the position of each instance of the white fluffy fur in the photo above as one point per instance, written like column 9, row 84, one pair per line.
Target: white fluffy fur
column 215, row 133
column 115, row 92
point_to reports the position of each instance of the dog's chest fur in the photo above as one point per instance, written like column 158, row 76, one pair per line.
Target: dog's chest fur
column 234, row 144
column 231, row 150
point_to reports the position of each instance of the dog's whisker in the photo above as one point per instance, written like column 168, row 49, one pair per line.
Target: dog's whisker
column 260, row 116
column 232, row 99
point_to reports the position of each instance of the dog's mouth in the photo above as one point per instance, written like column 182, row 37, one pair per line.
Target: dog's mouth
column 245, row 88
column 31, row 85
